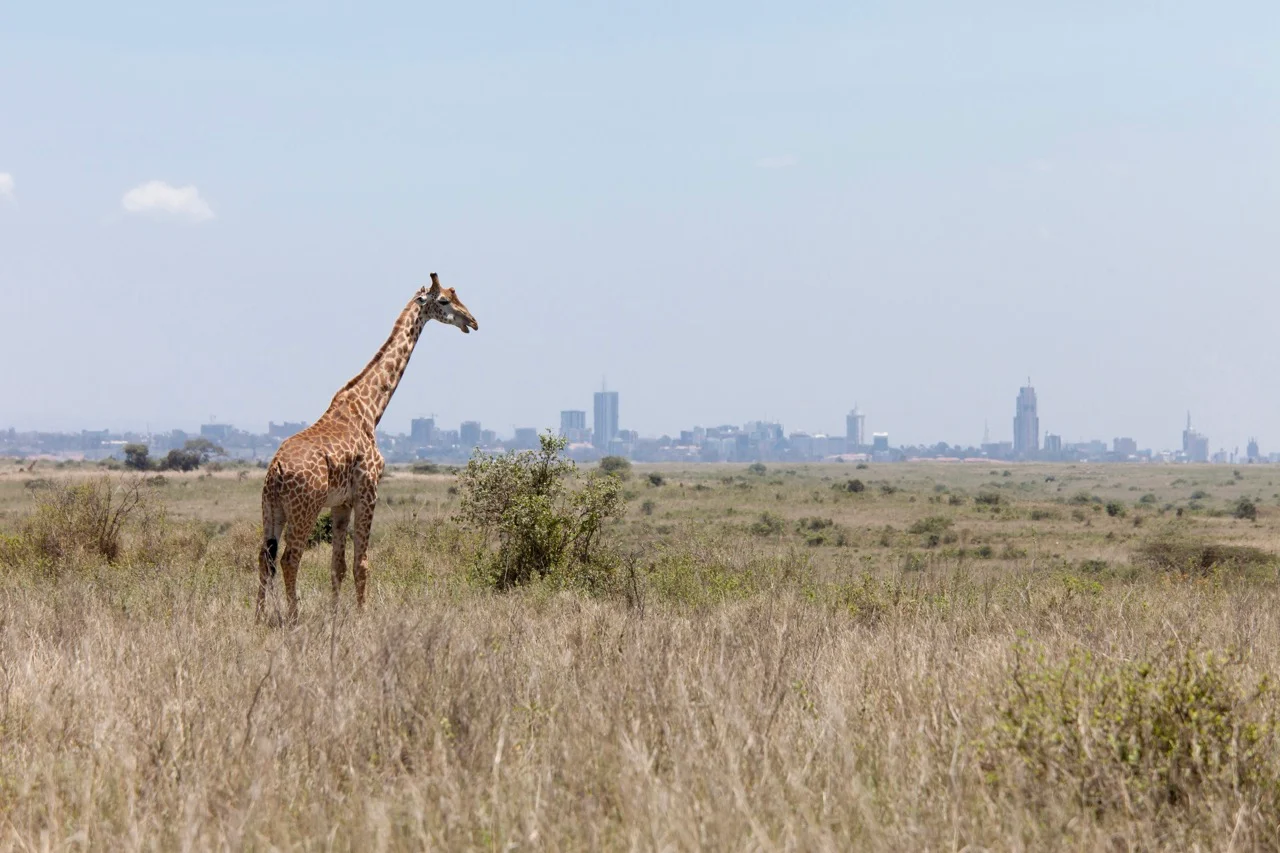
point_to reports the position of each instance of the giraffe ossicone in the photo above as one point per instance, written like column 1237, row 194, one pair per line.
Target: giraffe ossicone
column 335, row 462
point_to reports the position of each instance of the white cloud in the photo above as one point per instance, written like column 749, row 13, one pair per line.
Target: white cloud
column 785, row 161
column 6, row 185
column 161, row 199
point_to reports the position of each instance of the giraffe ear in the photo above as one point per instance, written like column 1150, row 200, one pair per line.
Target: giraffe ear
column 435, row 284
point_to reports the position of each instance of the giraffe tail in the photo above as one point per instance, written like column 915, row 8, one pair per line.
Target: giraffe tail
column 272, row 519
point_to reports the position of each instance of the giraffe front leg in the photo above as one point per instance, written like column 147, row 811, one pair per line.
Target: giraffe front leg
column 363, row 528
column 338, row 567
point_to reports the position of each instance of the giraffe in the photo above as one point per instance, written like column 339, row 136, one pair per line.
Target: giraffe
column 335, row 462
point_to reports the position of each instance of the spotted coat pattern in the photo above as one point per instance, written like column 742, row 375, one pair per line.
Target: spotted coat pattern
column 335, row 462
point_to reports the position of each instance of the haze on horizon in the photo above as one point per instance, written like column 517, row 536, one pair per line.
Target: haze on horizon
column 732, row 210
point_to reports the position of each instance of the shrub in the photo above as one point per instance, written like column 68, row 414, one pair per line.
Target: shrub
column 73, row 521
column 537, row 517
column 814, row 524
column 322, row 530
column 1199, row 495
column 855, row 486
column 1246, row 508
column 757, row 468
column 1158, row 731
column 933, row 524
column 1044, row 515
column 655, row 479
column 988, row 499
column 1115, row 509
column 1183, row 553
column 648, row 507
column 1148, row 498
column 616, row 466
column 767, row 525
column 425, row 468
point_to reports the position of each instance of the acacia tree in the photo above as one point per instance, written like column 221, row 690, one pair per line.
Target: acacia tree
column 136, row 457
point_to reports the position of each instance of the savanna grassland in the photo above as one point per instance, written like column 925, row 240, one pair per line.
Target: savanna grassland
column 898, row 657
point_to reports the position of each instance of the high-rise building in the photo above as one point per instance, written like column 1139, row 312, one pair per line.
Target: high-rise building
column 880, row 442
column 286, row 429
column 573, row 424
column 1026, row 423
column 855, row 429
column 1195, row 447
column 1124, row 447
column 526, row 438
column 469, row 434
column 422, row 431
column 1052, row 443
column 605, row 425
column 1251, row 451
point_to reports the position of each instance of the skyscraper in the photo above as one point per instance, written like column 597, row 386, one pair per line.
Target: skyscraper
column 1195, row 447
column 573, row 424
column 1026, row 423
column 469, row 435
column 855, row 425
column 422, row 431
column 605, row 425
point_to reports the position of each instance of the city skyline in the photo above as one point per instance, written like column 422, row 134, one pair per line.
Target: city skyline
column 607, row 434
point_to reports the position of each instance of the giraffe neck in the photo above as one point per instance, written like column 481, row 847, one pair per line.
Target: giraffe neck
column 366, row 397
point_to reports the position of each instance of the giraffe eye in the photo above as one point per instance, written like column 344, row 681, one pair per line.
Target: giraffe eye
column 443, row 300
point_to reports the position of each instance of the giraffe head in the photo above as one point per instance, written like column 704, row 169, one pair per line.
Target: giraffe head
column 442, row 304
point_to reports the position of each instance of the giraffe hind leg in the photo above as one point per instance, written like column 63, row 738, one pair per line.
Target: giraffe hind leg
column 268, row 555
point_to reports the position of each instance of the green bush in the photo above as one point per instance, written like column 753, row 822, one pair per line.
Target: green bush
column 76, row 521
column 757, row 468
column 1246, row 508
column 1160, row 731
column 988, row 499
column 1115, row 509
column 537, row 517
column 322, row 530
column 1184, row 553
column 617, row 466
column 855, row 486
column 767, row 525
column 656, row 479
column 933, row 524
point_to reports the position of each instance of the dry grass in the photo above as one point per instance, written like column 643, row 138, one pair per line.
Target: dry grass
column 751, row 691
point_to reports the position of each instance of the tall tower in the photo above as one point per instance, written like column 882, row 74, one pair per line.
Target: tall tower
column 1026, row 423
column 855, row 428
column 605, row 424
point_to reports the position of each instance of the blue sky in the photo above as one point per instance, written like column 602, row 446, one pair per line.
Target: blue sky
column 732, row 210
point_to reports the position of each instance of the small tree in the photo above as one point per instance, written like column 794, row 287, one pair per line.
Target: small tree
column 136, row 457
column 618, row 466
column 536, row 516
column 196, row 452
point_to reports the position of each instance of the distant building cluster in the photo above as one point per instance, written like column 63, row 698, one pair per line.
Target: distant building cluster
column 755, row 441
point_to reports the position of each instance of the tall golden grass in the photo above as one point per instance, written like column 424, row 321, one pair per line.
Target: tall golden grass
column 745, row 691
